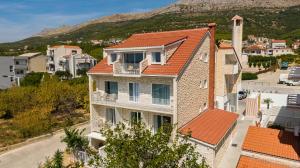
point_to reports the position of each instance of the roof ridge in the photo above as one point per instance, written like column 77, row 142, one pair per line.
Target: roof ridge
column 171, row 31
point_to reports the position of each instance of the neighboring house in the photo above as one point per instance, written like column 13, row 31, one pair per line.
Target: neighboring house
column 14, row 68
column 265, row 147
column 279, row 47
column 36, row 62
column 68, row 58
column 256, row 50
column 228, row 69
column 6, row 69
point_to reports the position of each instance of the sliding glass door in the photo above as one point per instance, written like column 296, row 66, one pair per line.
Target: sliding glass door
column 160, row 94
column 134, row 93
column 160, row 121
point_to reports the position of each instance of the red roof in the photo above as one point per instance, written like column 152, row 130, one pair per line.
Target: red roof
column 248, row 162
column 225, row 46
column 210, row 126
column 176, row 62
column 278, row 41
column 272, row 142
column 102, row 67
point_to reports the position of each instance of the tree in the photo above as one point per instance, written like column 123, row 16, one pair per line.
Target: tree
column 75, row 140
column 55, row 162
column 136, row 146
column 268, row 101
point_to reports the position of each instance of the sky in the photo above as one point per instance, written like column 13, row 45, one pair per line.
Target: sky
column 20, row 19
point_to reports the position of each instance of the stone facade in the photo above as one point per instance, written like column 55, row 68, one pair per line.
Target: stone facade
column 191, row 98
column 37, row 63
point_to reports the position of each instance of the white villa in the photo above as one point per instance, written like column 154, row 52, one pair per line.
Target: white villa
column 68, row 58
column 170, row 77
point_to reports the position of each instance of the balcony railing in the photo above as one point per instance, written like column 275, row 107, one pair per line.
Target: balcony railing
column 164, row 106
column 129, row 68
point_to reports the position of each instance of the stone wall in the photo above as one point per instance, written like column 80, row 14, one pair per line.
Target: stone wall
column 191, row 98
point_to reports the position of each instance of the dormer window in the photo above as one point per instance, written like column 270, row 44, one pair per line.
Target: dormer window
column 113, row 57
column 156, row 57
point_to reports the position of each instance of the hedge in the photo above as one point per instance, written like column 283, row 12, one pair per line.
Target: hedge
column 249, row 76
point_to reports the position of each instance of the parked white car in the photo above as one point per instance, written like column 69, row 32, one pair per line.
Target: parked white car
column 283, row 78
column 293, row 83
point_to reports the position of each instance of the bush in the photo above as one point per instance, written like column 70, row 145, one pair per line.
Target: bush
column 32, row 79
column 249, row 76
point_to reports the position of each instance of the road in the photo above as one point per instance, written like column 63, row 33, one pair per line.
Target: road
column 30, row 156
column 268, row 83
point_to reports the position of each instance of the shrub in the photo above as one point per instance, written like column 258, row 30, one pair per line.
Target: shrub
column 32, row 79
column 249, row 76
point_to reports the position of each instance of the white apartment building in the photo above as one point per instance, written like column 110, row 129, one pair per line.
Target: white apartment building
column 68, row 58
column 162, row 77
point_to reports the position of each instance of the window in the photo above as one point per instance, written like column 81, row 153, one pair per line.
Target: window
column 111, row 116
column 205, row 84
column 111, row 87
column 113, row 57
column 11, row 79
column 134, row 92
column 230, row 59
column 17, row 62
column 156, row 57
column 200, row 84
column 160, row 94
column 205, row 106
column 74, row 52
column 205, row 57
column 160, row 121
column 238, row 22
column 136, row 117
column 11, row 68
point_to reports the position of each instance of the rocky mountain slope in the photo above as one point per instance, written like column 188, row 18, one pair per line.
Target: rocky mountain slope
column 181, row 6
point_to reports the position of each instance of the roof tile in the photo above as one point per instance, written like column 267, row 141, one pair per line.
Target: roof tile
column 210, row 126
column 248, row 162
column 272, row 142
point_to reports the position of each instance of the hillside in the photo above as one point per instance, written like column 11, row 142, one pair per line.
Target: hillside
column 273, row 23
column 186, row 6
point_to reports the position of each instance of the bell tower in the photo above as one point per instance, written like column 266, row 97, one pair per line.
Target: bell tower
column 237, row 35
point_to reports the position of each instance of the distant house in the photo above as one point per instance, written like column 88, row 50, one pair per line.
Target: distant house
column 6, row 72
column 296, row 45
column 15, row 68
column 68, row 58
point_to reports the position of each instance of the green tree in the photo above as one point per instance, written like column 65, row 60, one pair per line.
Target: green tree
column 55, row 162
column 75, row 140
column 137, row 146
column 268, row 101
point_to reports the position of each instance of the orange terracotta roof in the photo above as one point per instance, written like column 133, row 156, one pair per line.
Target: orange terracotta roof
column 66, row 46
column 102, row 67
column 225, row 46
column 176, row 62
column 210, row 126
column 272, row 142
column 248, row 162
column 148, row 40
column 278, row 41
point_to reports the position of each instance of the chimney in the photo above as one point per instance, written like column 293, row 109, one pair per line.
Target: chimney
column 237, row 35
column 212, row 57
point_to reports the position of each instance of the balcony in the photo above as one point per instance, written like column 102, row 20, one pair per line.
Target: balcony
column 231, row 69
column 112, row 101
column 129, row 69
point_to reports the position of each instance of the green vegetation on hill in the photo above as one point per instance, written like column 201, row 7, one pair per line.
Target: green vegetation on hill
column 273, row 23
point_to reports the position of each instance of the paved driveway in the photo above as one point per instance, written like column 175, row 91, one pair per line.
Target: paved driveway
column 31, row 155
column 232, row 154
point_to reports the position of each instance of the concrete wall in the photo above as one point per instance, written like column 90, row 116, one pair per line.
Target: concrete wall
column 37, row 63
column 5, row 63
column 190, row 96
column 278, row 99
